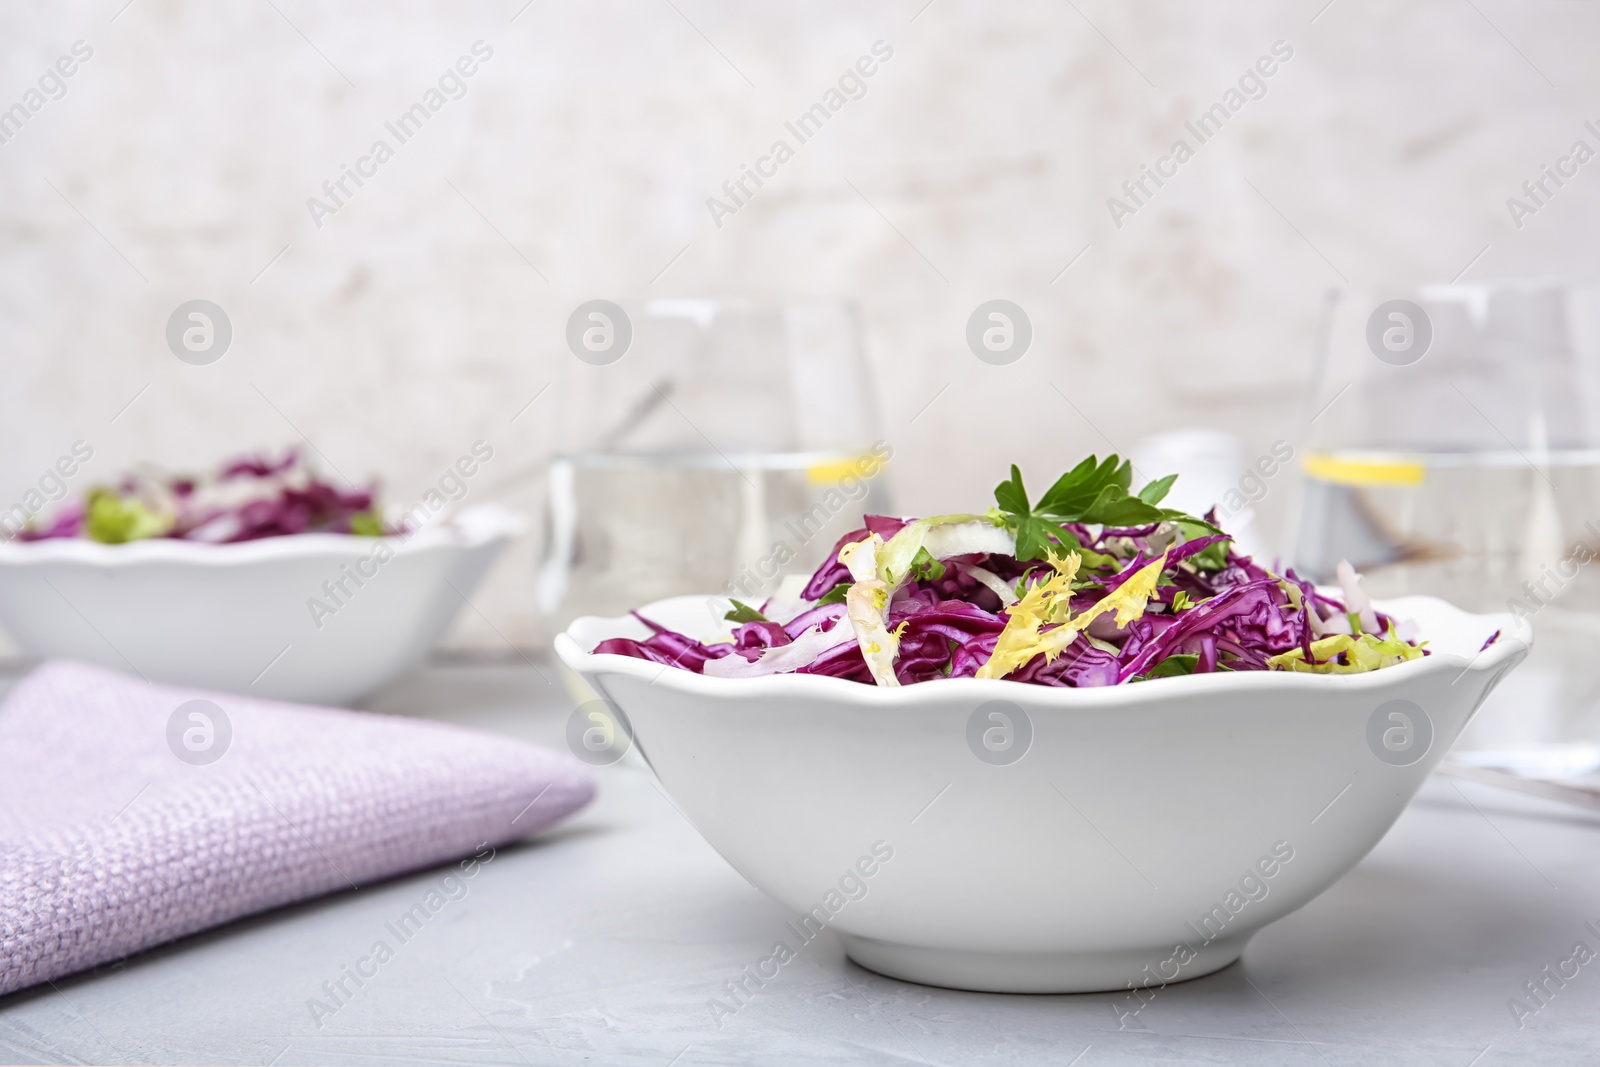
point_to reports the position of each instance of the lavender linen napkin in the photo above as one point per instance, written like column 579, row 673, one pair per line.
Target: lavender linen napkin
column 126, row 822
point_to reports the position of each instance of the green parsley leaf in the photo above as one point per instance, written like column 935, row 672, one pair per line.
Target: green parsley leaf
column 1114, row 507
column 745, row 613
column 1173, row 666
column 1010, row 495
column 1034, row 537
column 1211, row 558
column 924, row 567
column 1079, row 488
column 1095, row 491
column 1191, row 526
column 835, row 595
column 1156, row 491
column 1125, row 475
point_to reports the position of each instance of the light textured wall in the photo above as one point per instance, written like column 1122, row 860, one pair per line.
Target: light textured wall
column 431, row 308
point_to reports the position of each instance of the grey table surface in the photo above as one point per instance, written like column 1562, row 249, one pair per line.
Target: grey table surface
column 604, row 940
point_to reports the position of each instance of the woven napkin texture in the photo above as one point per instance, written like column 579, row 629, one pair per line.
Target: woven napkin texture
column 121, row 827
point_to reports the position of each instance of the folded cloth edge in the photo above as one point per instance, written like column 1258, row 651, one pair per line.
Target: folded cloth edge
column 209, row 848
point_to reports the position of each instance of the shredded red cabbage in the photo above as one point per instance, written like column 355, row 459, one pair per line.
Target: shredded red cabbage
column 248, row 499
column 1211, row 609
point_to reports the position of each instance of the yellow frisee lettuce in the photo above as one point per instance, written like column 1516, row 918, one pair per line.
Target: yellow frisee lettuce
column 1366, row 652
column 1048, row 602
column 878, row 569
column 866, row 605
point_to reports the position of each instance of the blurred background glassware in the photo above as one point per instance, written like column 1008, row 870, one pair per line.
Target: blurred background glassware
column 1208, row 465
column 744, row 450
column 1457, row 454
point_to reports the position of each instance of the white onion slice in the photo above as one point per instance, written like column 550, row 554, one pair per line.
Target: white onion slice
column 781, row 658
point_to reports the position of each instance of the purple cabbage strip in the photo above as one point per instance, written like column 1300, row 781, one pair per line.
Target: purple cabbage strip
column 671, row 649
column 68, row 522
column 811, row 617
column 316, row 506
column 1221, row 608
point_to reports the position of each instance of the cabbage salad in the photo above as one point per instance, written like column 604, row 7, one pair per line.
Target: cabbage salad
column 248, row 499
column 1089, row 585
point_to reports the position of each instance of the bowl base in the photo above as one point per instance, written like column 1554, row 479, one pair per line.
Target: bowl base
column 1037, row 972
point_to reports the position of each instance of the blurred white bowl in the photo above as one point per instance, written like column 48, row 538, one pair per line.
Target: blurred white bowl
column 243, row 617
column 1139, row 834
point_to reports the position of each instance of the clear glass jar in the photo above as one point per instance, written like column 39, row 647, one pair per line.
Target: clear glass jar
column 1455, row 452
column 750, row 450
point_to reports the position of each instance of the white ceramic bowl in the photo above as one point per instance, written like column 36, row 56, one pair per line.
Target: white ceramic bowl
column 240, row 617
column 1146, row 832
